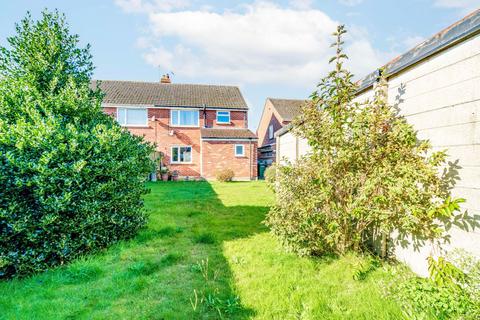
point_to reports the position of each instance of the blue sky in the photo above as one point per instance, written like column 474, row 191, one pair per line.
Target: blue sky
column 268, row 48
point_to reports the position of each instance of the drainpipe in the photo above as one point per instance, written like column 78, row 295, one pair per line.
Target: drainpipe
column 201, row 157
column 204, row 115
column 251, row 155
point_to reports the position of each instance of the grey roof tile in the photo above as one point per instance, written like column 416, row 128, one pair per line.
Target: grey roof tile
column 287, row 108
column 171, row 94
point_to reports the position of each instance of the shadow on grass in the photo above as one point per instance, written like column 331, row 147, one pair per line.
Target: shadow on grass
column 174, row 269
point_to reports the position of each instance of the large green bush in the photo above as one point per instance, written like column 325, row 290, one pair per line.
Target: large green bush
column 71, row 178
column 367, row 174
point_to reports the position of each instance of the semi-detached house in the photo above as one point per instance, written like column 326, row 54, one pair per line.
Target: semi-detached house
column 199, row 129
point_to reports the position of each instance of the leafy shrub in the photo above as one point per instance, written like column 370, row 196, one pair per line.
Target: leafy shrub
column 367, row 174
column 225, row 175
column 72, row 179
column 270, row 175
column 422, row 298
column 452, row 290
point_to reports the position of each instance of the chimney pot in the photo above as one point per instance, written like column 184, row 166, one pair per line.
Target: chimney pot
column 165, row 79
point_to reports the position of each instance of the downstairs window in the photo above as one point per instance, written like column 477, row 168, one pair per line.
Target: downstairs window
column 181, row 154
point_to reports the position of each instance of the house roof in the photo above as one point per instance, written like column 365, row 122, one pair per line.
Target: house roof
column 288, row 109
column 215, row 133
column 456, row 33
column 171, row 94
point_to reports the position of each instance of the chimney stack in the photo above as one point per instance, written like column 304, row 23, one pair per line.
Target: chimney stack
column 165, row 79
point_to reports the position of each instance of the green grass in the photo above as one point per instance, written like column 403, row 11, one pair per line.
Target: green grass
column 205, row 255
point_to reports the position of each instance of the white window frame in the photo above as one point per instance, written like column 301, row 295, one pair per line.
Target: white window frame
column 270, row 131
column 180, row 162
column 178, row 117
column 224, row 122
column 126, row 111
column 243, row 150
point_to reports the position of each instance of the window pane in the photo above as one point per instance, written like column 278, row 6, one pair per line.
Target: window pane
column 174, row 114
column 137, row 116
column 223, row 116
column 175, row 154
column 121, row 116
column 188, row 117
column 186, row 154
column 239, row 150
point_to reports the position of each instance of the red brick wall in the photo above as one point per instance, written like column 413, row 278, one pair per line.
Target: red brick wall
column 219, row 155
column 237, row 119
column 276, row 126
column 158, row 132
column 267, row 141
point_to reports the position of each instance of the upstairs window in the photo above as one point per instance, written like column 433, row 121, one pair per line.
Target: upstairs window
column 270, row 132
column 182, row 154
column 132, row 117
column 187, row 118
column 223, row 117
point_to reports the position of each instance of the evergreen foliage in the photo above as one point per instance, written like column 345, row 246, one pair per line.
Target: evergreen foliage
column 71, row 178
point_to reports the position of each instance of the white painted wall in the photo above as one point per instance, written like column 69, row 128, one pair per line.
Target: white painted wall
column 440, row 97
column 290, row 148
column 287, row 148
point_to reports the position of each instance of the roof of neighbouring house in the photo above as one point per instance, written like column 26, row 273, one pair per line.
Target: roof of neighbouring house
column 214, row 133
column 457, row 32
column 171, row 94
column 288, row 109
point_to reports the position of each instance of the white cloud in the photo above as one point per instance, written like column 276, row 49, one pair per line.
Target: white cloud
column 261, row 44
column 145, row 6
column 466, row 6
column 301, row 4
column 350, row 3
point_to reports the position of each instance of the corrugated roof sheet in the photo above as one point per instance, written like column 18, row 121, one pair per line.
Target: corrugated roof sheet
column 171, row 94
column 287, row 108
column 215, row 133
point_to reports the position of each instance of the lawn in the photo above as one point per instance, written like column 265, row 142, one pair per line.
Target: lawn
column 205, row 255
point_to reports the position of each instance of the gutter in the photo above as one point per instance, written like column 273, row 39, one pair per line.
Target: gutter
column 227, row 139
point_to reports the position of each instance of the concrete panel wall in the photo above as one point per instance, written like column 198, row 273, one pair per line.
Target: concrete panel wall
column 287, row 148
column 440, row 97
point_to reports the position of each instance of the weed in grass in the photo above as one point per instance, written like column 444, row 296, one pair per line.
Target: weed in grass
column 205, row 238
column 194, row 302
column 212, row 301
column 232, row 304
column 201, row 267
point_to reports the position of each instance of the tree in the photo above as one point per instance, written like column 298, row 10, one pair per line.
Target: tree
column 72, row 179
column 367, row 175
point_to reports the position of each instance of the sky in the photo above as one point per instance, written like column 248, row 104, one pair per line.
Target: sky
column 274, row 49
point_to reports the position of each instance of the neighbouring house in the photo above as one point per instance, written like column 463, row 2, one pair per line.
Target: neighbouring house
column 276, row 114
column 436, row 86
column 199, row 129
